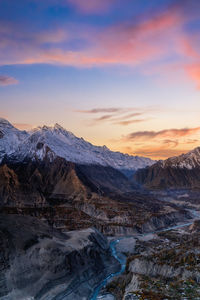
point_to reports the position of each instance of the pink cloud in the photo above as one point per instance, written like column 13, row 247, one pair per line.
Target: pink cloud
column 193, row 70
column 92, row 6
column 135, row 43
column 7, row 80
column 190, row 47
column 131, row 44
column 122, row 44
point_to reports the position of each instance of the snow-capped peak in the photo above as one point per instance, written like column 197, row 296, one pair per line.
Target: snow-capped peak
column 5, row 124
column 189, row 160
column 10, row 138
column 57, row 141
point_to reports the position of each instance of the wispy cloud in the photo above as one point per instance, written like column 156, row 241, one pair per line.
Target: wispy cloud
column 7, row 80
column 170, row 143
column 115, row 115
column 91, row 6
column 167, row 133
column 144, row 39
column 128, row 116
column 129, row 122
column 100, row 110
column 131, row 43
column 103, row 118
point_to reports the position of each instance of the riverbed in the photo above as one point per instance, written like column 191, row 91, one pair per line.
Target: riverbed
column 122, row 258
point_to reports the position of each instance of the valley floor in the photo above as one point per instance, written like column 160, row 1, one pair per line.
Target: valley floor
column 160, row 265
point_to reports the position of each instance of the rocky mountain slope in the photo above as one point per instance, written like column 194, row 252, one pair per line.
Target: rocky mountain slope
column 37, row 262
column 176, row 172
column 38, row 180
column 71, row 196
column 56, row 141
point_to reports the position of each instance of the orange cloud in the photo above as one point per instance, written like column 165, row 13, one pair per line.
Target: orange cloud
column 158, row 152
column 167, row 133
column 160, row 149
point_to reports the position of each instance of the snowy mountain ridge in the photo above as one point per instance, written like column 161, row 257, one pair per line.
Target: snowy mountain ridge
column 189, row 160
column 56, row 141
column 10, row 138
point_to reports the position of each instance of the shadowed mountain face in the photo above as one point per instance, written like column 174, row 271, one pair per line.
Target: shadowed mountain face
column 59, row 180
column 177, row 172
column 71, row 196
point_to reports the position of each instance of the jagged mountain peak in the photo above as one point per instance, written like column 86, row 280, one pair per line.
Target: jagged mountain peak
column 56, row 128
column 188, row 160
column 57, row 141
column 59, row 127
column 5, row 123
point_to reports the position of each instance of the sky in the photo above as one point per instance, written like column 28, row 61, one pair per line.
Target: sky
column 120, row 73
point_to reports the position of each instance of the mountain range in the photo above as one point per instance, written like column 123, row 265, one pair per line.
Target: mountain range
column 53, row 175
column 54, row 142
column 57, row 142
column 57, row 193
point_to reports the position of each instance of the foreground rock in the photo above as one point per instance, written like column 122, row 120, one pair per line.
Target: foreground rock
column 39, row 262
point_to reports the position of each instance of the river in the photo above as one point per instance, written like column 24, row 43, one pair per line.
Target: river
column 122, row 259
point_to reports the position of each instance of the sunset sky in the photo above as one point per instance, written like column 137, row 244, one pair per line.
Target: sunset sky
column 121, row 73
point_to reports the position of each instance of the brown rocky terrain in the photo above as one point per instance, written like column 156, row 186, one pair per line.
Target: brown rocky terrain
column 71, row 196
column 179, row 172
column 157, row 177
